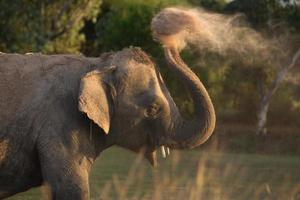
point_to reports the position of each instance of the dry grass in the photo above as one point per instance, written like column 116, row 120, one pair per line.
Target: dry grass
column 192, row 175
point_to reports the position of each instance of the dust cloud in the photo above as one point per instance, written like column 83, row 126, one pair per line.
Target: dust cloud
column 177, row 27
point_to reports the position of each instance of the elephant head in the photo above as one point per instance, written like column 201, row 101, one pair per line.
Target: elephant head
column 130, row 102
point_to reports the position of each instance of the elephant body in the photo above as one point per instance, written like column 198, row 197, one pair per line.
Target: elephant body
column 59, row 112
column 38, row 114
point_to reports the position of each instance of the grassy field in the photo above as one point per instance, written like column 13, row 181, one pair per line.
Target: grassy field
column 119, row 174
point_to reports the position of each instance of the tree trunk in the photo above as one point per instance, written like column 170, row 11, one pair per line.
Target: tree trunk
column 266, row 94
column 262, row 117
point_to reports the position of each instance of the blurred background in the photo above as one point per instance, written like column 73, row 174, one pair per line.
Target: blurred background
column 257, row 102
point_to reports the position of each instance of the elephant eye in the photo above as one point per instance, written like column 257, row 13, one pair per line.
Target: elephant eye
column 152, row 110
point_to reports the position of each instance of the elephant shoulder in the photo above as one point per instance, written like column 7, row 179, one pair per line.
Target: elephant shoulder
column 28, row 81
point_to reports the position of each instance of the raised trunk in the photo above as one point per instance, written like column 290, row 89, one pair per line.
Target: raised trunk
column 189, row 134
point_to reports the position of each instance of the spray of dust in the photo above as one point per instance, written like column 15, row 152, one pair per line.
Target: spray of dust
column 176, row 27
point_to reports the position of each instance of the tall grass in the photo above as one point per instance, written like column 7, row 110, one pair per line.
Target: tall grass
column 194, row 175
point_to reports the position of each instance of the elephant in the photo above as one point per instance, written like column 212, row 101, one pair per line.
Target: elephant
column 59, row 112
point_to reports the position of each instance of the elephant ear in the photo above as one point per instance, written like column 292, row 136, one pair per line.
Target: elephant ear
column 94, row 100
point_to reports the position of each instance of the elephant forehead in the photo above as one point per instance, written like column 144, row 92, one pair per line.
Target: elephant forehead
column 142, row 77
column 128, row 55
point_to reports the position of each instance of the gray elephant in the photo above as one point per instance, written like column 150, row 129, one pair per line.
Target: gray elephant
column 59, row 112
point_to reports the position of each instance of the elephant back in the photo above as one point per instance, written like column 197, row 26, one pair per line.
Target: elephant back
column 27, row 81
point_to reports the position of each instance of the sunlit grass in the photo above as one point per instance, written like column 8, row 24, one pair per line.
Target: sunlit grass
column 119, row 174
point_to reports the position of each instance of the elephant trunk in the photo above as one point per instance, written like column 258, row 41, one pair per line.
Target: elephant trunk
column 192, row 133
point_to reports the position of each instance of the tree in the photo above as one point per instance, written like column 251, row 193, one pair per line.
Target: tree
column 267, row 92
column 47, row 26
column 271, row 17
column 124, row 23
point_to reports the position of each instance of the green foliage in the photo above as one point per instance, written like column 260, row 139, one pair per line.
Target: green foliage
column 260, row 12
column 47, row 26
column 292, row 16
column 125, row 23
column 216, row 5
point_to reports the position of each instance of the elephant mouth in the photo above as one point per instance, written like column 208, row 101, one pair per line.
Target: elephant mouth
column 151, row 156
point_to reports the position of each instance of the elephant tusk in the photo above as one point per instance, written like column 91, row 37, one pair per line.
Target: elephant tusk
column 163, row 152
column 168, row 151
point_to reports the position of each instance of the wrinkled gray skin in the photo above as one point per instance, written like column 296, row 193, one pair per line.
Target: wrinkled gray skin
column 58, row 113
